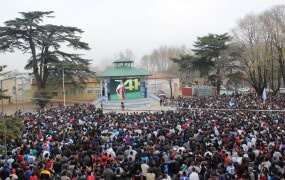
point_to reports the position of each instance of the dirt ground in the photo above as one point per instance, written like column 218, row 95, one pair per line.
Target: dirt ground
column 26, row 107
column 30, row 107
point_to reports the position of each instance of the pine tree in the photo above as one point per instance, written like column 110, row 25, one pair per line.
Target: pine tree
column 44, row 42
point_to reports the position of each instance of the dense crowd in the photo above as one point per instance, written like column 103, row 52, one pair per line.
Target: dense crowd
column 234, row 102
column 80, row 142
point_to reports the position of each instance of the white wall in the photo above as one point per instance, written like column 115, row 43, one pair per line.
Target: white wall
column 156, row 85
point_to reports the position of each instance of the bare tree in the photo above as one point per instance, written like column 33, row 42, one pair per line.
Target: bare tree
column 145, row 63
column 255, row 54
column 272, row 38
column 274, row 22
column 160, row 59
column 127, row 54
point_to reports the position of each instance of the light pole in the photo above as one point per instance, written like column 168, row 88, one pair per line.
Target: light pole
column 63, row 87
column 16, row 98
column 23, row 102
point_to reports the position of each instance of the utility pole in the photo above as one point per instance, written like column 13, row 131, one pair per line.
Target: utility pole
column 63, row 87
column 16, row 98
column 23, row 102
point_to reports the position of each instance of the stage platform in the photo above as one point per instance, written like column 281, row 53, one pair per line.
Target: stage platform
column 129, row 104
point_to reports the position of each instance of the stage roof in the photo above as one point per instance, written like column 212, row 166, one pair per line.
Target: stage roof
column 123, row 68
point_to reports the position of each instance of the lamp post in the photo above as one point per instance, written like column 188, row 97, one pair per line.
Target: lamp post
column 63, row 87
column 23, row 102
column 16, row 98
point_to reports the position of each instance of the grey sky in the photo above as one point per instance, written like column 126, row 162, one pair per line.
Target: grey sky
column 140, row 25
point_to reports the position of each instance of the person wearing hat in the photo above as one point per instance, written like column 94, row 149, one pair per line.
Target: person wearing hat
column 45, row 174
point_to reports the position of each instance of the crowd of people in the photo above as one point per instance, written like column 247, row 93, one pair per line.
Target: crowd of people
column 243, row 102
column 81, row 142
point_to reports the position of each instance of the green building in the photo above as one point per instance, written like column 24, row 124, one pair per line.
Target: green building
column 133, row 78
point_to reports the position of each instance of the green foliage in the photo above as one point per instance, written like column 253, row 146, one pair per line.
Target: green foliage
column 189, row 63
column 44, row 42
column 203, row 65
column 41, row 97
column 208, row 50
column 184, row 62
column 210, row 46
column 213, row 57
column 13, row 130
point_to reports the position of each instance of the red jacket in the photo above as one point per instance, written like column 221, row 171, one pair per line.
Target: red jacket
column 35, row 177
column 91, row 177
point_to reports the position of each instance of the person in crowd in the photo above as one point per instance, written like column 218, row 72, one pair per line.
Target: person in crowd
column 194, row 175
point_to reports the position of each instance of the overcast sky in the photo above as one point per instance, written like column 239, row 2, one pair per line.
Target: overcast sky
column 112, row 26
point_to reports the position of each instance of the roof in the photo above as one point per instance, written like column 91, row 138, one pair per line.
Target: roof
column 123, row 60
column 123, row 72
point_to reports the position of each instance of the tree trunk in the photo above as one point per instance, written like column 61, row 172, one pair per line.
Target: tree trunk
column 278, row 83
column 218, row 81
column 281, row 63
column 259, row 91
column 170, row 85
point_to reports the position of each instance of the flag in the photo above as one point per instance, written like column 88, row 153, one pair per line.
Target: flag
column 264, row 95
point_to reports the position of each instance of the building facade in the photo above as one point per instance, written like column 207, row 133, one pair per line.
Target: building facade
column 18, row 89
column 159, row 83
column 89, row 92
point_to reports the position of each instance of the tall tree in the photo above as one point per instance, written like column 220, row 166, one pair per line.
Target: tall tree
column 185, row 67
column 273, row 23
column 45, row 43
column 208, row 50
column 255, row 51
column 273, row 42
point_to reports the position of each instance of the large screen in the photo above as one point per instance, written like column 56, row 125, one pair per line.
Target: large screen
column 125, row 89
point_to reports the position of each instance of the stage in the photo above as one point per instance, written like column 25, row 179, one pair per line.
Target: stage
column 140, row 103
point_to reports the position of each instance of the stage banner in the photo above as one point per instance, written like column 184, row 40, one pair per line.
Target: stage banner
column 125, row 89
column 143, row 94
